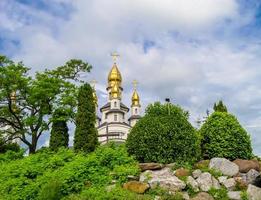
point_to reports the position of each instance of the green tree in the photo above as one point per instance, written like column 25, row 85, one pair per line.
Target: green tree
column 27, row 102
column 220, row 107
column 223, row 136
column 86, row 136
column 163, row 135
column 59, row 133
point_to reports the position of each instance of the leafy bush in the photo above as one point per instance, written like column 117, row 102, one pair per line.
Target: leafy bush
column 223, row 136
column 219, row 194
column 163, row 135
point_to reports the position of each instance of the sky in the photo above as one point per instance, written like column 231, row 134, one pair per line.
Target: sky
column 195, row 52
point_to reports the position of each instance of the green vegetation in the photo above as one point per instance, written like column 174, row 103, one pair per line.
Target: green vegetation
column 86, row 136
column 163, row 135
column 59, row 134
column 219, row 194
column 219, row 107
column 223, row 136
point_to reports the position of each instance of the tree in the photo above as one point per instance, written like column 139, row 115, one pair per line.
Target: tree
column 86, row 136
column 27, row 102
column 223, row 136
column 163, row 135
column 59, row 133
column 220, row 107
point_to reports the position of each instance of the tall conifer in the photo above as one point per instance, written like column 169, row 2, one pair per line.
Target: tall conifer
column 86, row 136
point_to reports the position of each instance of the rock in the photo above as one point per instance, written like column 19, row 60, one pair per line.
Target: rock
column 194, row 184
column 196, row 173
column 253, row 192
column 222, row 179
column 251, row 175
column 203, row 196
column 215, row 183
column 185, row 196
column 205, row 181
column 136, row 186
column 132, row 178
column 182, row 172
column 234, row 195
column 163, row 178
column 241, row 184
column 201, row 164
column 230, row 184
column 257, row 181
column 246, row 165
column 150, row 166
column 225, row 166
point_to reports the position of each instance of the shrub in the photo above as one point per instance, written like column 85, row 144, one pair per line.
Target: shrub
column 223, row 136
column 163, row 135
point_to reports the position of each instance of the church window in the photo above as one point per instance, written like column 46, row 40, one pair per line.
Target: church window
column 106, row 116
column 115, row 117
column 115, row 104
column 136, row 111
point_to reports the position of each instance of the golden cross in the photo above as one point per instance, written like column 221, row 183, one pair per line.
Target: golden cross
column 135, row 83
column 114, row 56
column 93, row 83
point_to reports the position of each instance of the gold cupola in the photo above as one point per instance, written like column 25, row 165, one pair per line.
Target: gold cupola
column 115, row 91
column 135, row 99
column 95, row 98
column 114, row 77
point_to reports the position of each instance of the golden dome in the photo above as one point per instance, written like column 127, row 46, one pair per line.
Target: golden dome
column 114, row 76
column 135, row 99
column 95, row 98
column 115, row 91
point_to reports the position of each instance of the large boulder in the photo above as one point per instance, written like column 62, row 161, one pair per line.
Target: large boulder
column 193, row 183
column 251, row 175
column 253, row 192
column 150, row 166
column 196, row 173
column 230, row 184
column 136, row 186
column 234, row 195
column 205, row 181
column 257, row 181
column 246, row 165
column 225, row 166
column 203, row 196
column 181, row 172
column 163, row 178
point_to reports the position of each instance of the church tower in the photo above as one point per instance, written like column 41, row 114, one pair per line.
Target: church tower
column 135, row 106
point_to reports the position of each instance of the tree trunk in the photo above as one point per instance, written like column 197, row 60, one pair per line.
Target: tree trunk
column 32, row 147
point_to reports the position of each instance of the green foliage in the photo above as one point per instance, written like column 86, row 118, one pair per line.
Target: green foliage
column 220, row 107
column 223, row 136
column 59, row 134
column 164, row 194
column 163, row 135
column 219, row 194
column 55, row 175
column 8, row 146
column 86, row 136
column 244, row 195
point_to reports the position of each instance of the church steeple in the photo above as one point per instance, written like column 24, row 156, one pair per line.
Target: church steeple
column 135, row 97
column 135, row 106
column 114, row 76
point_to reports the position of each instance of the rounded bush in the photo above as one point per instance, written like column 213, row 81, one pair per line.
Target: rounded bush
column 163, row 135
column 223, row 136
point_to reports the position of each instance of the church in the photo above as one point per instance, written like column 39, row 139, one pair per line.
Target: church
column 113, row 120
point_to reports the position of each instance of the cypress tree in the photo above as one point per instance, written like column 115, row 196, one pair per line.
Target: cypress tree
column 59, row 133
column 220, row 107
column 86, row 136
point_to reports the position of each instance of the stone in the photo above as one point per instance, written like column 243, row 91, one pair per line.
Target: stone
column 230, row 184
column 185, row 196
column 205, row 181
column 132, row 178
column 234, row 195
column 246, row 165
column 193, row 183
column 163, row 178
column 257, row 181
column 136, row 186
column 202, row 164
column 215, row 183
column 222, row 179
column 181, row 172
column 196, row 173
column 203, row 196
column 225, row 166
column 251, row 175
column 253, row 192
column 150, row 166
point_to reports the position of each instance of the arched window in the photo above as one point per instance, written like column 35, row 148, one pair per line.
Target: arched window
column 136, row 111
column 115, row 118
column 115, row 104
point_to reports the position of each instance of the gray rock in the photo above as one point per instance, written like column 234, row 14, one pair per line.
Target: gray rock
column 253, row 192
column 215, row 183
column 230, row 184
column 234, row 195
column 205, row 181
column 150, row 166
column 221, row 179
column 203, row 196
column 251, row 175
column 194, row 184
column 163, row 178
column 196, row 173
column 225, row 166
column 185, row 195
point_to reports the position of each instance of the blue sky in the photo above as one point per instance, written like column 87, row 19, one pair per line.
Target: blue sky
column 193, row 51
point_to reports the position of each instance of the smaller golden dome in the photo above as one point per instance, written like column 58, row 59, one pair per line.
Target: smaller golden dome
column 135, row 99
column 115, row 91
column 95, row 98
column 114, row 76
